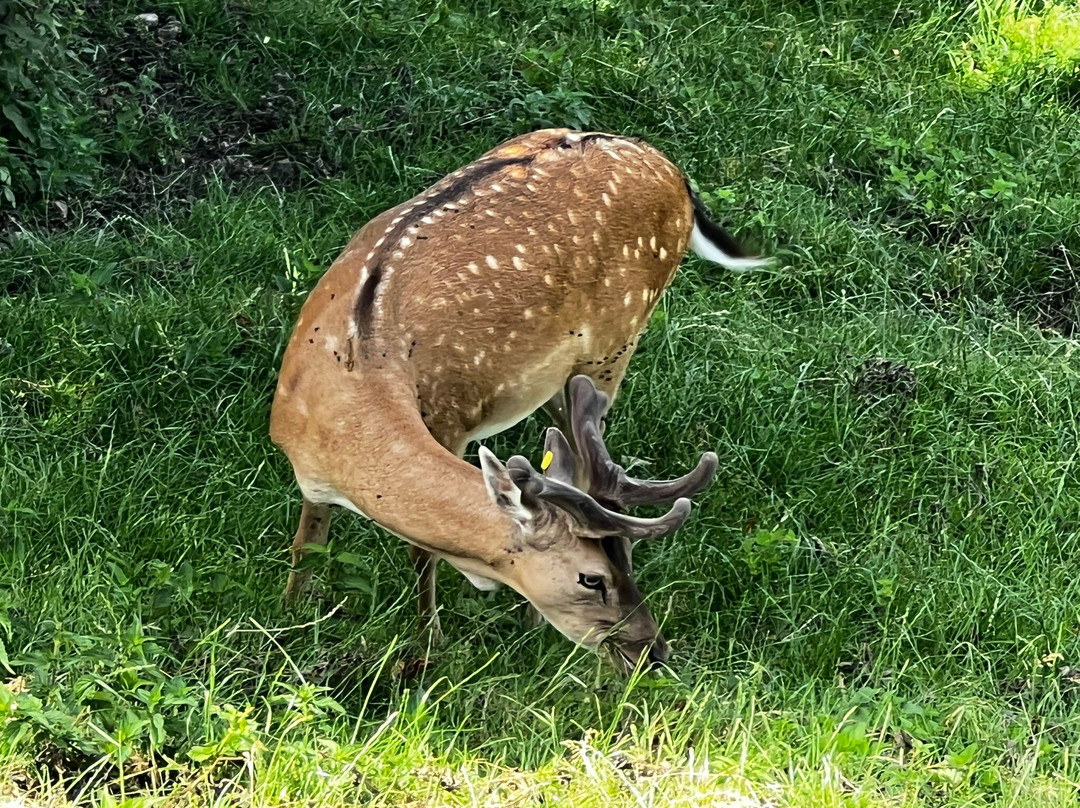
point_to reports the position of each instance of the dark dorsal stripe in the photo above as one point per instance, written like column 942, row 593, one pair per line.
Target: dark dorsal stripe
column 480, row 171
column 367, row 297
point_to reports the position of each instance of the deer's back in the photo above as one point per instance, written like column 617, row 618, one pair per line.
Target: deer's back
column 542, row 258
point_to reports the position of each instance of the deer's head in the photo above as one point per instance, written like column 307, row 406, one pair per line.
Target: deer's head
column 571, row 554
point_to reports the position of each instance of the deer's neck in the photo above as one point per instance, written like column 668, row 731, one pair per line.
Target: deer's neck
column 398, row 475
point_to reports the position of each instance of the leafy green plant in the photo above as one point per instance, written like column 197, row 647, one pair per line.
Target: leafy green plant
column 41, row 147
column 764, row 550
column 235, row 734
column 1015, row 37
column 97, row 695
column 553, row 102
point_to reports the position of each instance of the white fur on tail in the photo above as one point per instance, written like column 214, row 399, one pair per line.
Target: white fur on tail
column 704, row 248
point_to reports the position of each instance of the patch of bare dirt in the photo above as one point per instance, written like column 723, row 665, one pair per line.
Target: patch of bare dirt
column 166, row 142
column 879, row 379
column 1052, row 300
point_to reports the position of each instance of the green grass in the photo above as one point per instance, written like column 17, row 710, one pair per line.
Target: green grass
column 876, row 604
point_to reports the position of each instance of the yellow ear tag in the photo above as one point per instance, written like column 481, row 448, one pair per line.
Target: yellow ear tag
column 548, row 457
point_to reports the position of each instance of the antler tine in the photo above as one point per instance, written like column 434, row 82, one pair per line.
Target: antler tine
column 608, row 482
column 563, row 462
column 647, row 492
column 589, row 513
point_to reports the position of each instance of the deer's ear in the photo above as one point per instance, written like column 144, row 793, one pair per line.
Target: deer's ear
column 501, row 488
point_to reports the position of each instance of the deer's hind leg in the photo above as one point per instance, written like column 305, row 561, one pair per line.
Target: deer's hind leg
column 314, row 528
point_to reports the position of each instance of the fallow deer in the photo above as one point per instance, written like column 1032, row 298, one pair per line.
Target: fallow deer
column 521, row 280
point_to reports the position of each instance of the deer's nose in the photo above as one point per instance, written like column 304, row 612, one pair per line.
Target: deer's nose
column 659, row 651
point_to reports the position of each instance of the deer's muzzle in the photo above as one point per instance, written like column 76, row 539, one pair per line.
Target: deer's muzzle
column 650, row 653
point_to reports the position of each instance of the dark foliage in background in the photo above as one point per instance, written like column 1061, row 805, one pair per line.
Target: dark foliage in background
column 43, row 113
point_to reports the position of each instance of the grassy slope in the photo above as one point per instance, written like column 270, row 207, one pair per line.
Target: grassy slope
column 876, row 602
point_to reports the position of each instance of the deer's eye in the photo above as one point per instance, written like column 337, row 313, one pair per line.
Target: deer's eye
column 595, row 582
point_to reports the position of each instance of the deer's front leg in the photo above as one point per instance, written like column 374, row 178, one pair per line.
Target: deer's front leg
column 425, row 563
column 558, row 408
column 313, row 529
column 533, row 618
